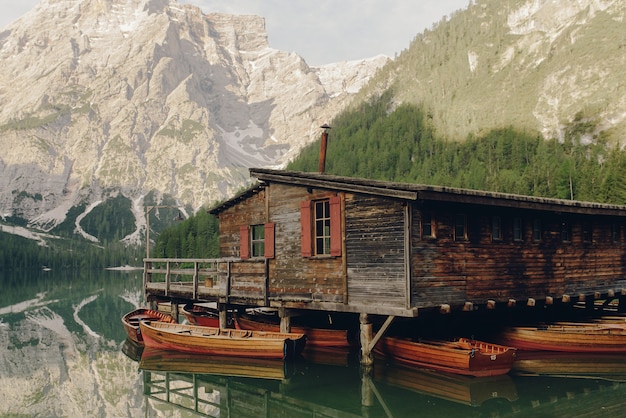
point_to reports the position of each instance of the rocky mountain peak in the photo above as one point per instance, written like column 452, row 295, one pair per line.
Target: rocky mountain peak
column 135, row 96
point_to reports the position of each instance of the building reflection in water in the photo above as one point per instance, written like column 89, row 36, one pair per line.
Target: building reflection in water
column 331, row 383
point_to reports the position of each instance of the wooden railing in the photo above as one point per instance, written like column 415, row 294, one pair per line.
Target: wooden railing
column 209, row 279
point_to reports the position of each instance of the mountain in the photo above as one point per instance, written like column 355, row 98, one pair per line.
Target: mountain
column 150, row 97
column 547, row 66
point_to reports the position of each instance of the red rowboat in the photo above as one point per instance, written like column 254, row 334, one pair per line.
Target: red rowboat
column 591, row 337
column 463, row 356
column 318, row 337
column 131, row 321
column 201, row 315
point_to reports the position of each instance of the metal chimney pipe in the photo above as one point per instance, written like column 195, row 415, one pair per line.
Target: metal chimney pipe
column 324, row 144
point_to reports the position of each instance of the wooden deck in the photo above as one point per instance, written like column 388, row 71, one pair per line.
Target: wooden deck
column 246, row 282
column 219, row 280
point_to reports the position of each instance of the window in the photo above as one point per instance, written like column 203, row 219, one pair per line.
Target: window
column 536, row 230
column 321, row 218
column 460, row 227
column 428, row 230
column 615, row 232
column 587, row 234
column 321, row 227
column 257, row 240
column 518, row 229
column 496, row 228
column 566, row 235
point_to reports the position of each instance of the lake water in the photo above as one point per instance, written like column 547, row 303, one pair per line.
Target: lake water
column 63, row 352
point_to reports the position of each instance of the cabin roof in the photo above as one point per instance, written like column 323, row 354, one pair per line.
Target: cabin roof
column 415, row 192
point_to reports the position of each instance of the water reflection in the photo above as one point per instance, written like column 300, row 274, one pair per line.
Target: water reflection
column 60, row 345
column 63, row 352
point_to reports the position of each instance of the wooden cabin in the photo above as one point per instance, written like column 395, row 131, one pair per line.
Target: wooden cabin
column 308, row 241
column 371, row 247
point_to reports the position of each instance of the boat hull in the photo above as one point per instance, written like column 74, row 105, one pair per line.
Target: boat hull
column 221, row 342
column 132, row 319
column 318, row 337
column 465, row 357
column 201, row 315
column 582, row 338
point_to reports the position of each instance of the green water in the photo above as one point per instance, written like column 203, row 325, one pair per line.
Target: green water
column 63, row 352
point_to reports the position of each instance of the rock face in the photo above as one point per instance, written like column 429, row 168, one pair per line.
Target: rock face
column 150, row 95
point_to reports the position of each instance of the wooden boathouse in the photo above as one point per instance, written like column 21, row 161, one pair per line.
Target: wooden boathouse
column 311, row 241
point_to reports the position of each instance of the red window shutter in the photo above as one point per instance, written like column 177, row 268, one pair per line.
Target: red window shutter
column 305, row 227
column 335, row 226
column 244, row 250
column 269, row 240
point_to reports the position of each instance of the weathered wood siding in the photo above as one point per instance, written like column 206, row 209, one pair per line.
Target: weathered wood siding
column 250, row 211
column 247, row 279
column 479, row 268
column 293, row 277
column 374, row 229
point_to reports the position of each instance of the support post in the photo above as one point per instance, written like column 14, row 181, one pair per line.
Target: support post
column 621, row 304
column 367, row 359
column 223, row 315
column 285, row 320
column 174, row 310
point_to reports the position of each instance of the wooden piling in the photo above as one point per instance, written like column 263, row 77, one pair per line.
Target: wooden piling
column 367, row 359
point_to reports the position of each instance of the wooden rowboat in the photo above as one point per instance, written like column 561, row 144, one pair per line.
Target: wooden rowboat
column 221, row 341
column 318, row 337
column 574, row 338
column 131, row 321
column 463, row 356
column 201, row 315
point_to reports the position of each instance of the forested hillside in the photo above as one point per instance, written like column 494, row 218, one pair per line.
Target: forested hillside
column 374, row 141
column 196, row 237
column 534, row 65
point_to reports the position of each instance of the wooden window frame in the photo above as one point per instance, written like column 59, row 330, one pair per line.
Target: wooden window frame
column 257, row 241
column 566, row 231
column 427, row 226
column 537, row 230
column 247, row 241
column 518, row 229
column 616, row 236
column 308, row 227
column 496, row 228
column 460, row 236
column 587, row 232
column 321, row 227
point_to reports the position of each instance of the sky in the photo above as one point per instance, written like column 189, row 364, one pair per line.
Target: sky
column 322, row 31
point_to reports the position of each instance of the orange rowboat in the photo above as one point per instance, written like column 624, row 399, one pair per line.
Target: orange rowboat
column 131, row 321
column 573, row 338
column 318, row 337
column 463, row 356
column 221, row 341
